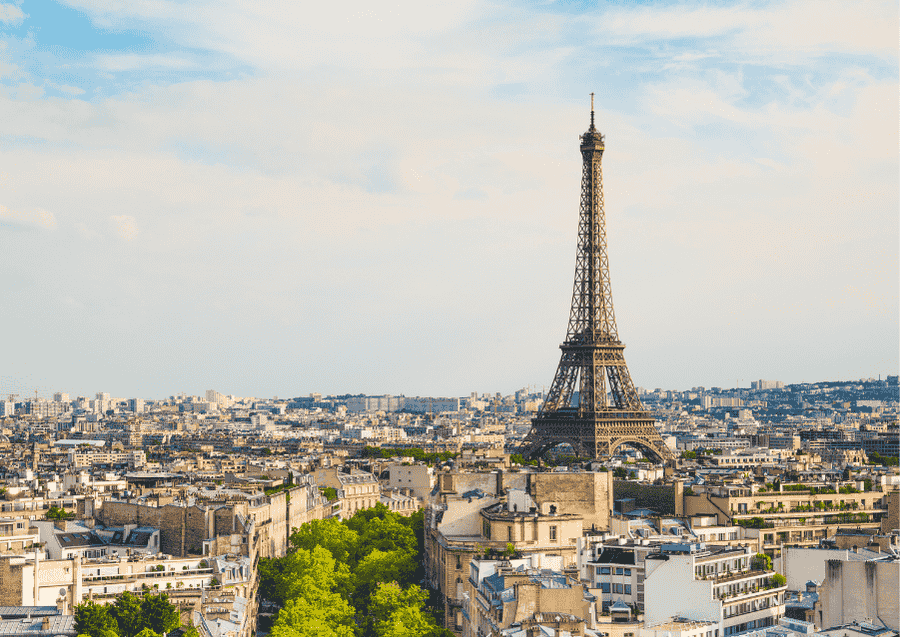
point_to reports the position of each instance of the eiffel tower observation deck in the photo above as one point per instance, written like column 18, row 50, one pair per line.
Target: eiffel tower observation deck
column 592, row 404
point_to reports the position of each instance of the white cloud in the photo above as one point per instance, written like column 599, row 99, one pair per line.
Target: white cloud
column 68, row 90
column 11, row 14
column 125, row 226
column 32, row 218
column 133, row 62
column 802, row 26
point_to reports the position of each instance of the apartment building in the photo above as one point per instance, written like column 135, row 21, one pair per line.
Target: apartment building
column 800, row 517
column 356, row 489
column 502, row 593
column 16, row 536
column 715, row 584
column 29, row 580
column 475, row 513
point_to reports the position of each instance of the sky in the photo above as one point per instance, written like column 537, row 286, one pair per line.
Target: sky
column 277, row 198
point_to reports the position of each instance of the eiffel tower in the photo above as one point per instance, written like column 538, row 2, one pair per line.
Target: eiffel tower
column 601, row 417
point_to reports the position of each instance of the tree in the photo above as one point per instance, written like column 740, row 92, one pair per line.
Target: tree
column 330, row 493
column 385, row 534
column 778, row 580
column 319, row 614
column 56, row 513
column 158, row 614
column 378, row 567
column 331, row 534
column 397, row 612
column 761, row 562
column 287, row 578
column 93, row 619
column 126, row 611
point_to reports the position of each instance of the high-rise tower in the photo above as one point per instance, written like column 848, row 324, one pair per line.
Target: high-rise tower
column 592, row 403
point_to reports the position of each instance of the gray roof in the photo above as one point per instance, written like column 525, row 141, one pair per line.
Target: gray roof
column 18, row 612
column 79, row 538
column 58, row 625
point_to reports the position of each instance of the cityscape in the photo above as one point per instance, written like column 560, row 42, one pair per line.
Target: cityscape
column 268, row 264
column 780, row 500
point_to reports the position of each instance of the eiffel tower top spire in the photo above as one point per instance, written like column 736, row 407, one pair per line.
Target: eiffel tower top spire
column 592, row 139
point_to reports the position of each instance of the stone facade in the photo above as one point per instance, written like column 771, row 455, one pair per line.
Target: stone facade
column 860, row 591
column 663, row 498
column 535, row 512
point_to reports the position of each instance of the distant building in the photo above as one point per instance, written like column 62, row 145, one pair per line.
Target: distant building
column 766, row 384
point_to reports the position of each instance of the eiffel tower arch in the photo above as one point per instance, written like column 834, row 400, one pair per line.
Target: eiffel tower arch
column 592, row 404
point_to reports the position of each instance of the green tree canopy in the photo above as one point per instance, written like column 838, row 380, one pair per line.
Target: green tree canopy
column 315, row 614
column 380, row 566
column 331, row 534
column 398, row 612
column 305, row 570
column 158, row 614
column 126, row 611
column 384, row 534
column 93, row 619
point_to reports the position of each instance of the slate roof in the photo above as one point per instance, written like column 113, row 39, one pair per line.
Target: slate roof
column 80, row 538
column 611, row 555
column 58, row 625
column 18, row 612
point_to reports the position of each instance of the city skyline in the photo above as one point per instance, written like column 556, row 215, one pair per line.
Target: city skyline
column 361, row 200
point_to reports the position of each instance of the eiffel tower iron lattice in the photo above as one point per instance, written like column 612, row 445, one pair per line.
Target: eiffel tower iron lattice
column 606, row 413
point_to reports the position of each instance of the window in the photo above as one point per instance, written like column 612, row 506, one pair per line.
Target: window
column 553, row 533
column 604, row 587
column 618, row 570
column 509, row 533
column 486, row 529
column 627, row 571
column 628, row 589
column 604, row 570
column 617, row 588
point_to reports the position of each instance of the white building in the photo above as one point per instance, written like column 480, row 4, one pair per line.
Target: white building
column 716, row 584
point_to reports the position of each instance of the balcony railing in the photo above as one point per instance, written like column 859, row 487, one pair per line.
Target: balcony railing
column 146, row 574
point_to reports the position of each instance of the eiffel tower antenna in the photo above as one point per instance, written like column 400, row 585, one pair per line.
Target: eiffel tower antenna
column 592, row 404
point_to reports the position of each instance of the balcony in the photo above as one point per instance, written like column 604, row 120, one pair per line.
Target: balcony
column 132, row 577
column 732, row 576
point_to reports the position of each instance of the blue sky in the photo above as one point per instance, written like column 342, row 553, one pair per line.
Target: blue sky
column 279, row 198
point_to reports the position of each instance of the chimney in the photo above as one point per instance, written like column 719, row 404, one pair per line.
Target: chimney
column 45, row 624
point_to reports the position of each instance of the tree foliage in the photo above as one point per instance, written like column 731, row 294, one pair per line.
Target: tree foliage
column 158, row 614
column 57, row 513
column 93, row 619
column 352, row 577
column 128, row 616
column 398, row 612
column 331, row 534
column 126, row 611
column 416, row 453
column 761, row 562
